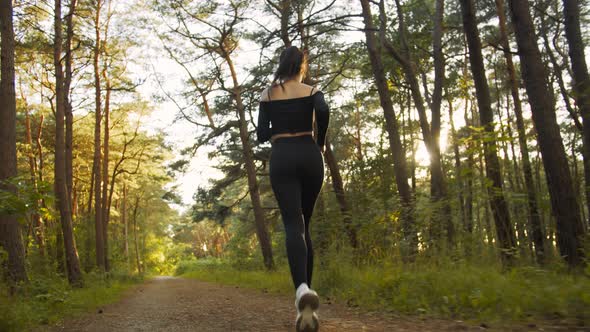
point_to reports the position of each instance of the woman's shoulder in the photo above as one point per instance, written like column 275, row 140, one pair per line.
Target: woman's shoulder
column 301, row 90
column 264, row 94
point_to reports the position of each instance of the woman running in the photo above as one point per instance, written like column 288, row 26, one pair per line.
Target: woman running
column 285, row 117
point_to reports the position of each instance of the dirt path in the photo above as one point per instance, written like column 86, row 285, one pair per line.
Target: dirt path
column 178, row 304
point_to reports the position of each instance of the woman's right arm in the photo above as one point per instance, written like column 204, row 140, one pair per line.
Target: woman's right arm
column 263, row 131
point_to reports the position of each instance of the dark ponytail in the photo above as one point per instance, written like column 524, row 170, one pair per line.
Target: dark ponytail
column 291, row 62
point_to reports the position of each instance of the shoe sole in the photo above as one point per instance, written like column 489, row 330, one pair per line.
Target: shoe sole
column 307, row 321
column 309, row 300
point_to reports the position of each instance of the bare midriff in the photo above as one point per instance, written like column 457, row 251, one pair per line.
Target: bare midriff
column 301, row 133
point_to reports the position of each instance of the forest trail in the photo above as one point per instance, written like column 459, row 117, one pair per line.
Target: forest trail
column 175, row 304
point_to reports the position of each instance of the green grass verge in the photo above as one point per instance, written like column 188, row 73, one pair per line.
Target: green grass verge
column 456, row 291
column 49, row 299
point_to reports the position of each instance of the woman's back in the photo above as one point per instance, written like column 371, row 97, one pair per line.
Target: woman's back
column 289, row 90
column 289, row 109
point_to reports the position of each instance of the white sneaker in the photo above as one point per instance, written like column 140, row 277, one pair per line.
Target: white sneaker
column 306, row 302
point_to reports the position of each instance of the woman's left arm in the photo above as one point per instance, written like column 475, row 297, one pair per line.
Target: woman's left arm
column 322, row 114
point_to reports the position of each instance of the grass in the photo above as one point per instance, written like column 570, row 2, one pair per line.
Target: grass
column 222, row 272
column 49, row 299
column 455, row 290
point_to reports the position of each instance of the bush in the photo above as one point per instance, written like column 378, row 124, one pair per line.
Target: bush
column 47, row 298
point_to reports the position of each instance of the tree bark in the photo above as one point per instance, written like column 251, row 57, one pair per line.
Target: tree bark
column 559, row 181
column 39, row 174
column 283, row 7
column 125, row 223
column 37, row 222
column 459, row 178
column 105, row 171
column 61, row 190
column 469, row 177
column 10, row 229
column 504, row 230
column 534, row 218
column 98, row 219
column 410, row 245
column 338, row 185
column 68, row 102
column 137, row 258
column 105, row 161
column 571, row 12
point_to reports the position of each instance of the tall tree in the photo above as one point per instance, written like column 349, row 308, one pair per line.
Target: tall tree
column 259, row 218
column 559, row 181
column 571, row 12
column 533, row 209
column 395, row 144
column 10, row 231
column 67, row 84
column 36, row 221
column 219, row 41
column 504, row 229
column 98, row 218
column 61, row 191
column 430, row 133
column 105, row 146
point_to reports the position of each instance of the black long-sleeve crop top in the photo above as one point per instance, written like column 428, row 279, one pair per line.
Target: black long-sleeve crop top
column 293, row 115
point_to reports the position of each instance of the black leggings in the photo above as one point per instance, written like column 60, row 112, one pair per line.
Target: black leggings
column 296, row 176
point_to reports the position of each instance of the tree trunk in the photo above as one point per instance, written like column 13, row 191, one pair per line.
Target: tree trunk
column 458, row 169
column 68, row 102
column 10, row 230
column 469, row 177
column 534, row 218
column 259, row 218
column 137, row 259
column 37, row 222
column 61, row 190
column 504, row 230
column 88, row 241
column 39, row 174
column 125, row 223
column 410, row 245
column 559, row 181
column 98, row 219
column 571, row 12
column 105, row 165
column 438, row 185
column 59, row 249
column 338, row 185
column 105, row 172
column 285, row 14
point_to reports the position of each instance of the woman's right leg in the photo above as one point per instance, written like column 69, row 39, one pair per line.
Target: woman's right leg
column 287, row 189
column 311, row 187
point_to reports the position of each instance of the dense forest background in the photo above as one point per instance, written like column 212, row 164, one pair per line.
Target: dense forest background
column 459, row 134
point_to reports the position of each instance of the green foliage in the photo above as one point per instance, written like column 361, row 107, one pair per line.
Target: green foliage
column 48, row 298
column 453, row 290
column 24, row 200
